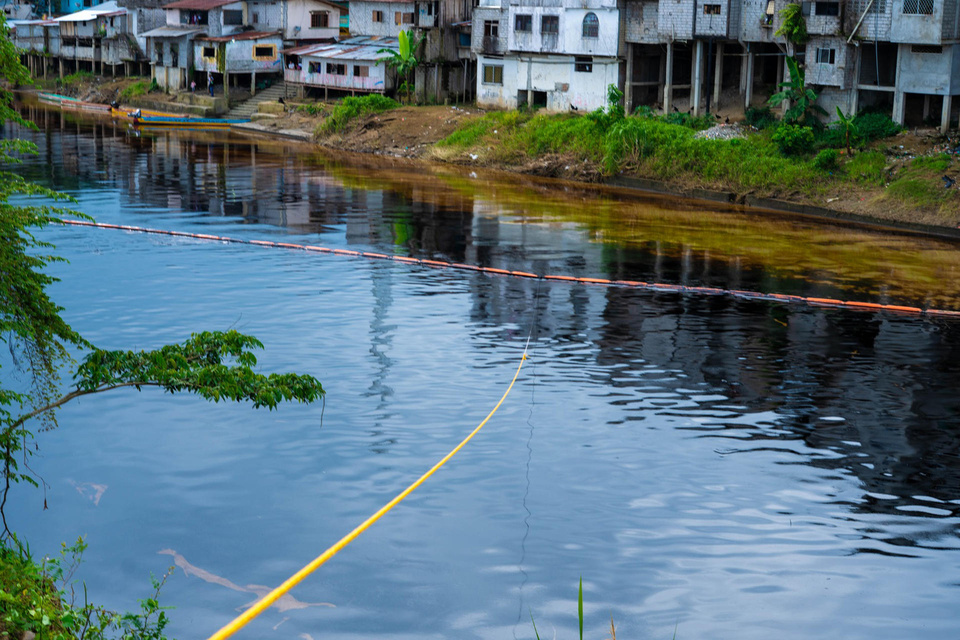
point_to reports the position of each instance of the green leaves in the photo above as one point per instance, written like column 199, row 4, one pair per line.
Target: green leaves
column 804, row 109
column 404, row 60
column 793, row 26
column 214, row 365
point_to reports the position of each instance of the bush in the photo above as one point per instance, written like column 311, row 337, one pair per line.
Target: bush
column 760, row 117
column 793, row 139
column 311, row 109
column 827, row 160
column 874, row 126
column 353, row 108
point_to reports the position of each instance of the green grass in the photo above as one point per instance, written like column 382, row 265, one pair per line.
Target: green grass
column 353, row 108
column 867, row 168
column 79, row 76
column 920, row 183
column 138, row 88
column 312, row 108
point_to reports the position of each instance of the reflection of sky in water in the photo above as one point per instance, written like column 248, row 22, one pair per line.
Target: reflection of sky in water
column 734, row 468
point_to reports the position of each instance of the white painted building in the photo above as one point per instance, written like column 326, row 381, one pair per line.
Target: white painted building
column 558, row 58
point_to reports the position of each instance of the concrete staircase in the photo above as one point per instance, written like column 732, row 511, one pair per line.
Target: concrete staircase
column 248, row 107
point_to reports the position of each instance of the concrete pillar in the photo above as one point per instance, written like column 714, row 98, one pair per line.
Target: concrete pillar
column 696, row 79
column 628, row 84
column 898, row 94
column 945, row 115
column 226, row 87
column 718, row 78
column 668, row 82
column 253, row 83
column 751, row 63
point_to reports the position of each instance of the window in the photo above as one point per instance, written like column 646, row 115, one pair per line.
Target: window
column 209, row 52
column 361, row 71
column 711, row 9
column 591, row 26
column 174, row 54
column 826, row 56
column 336, row 69
column 926, row 48
column 583, row 65
column 491, row 29
column 319, row 19
column 918, row 7
column 265, row 52
column 233, row 17
column 493, row 74
column 378, row 16
column 256, row 18
column 315, row 67
column 523, row 22
column 158, row 53
column 826, row 9
column 859, row 7
column 550, row 24
column 768, row 14
column 402, row 18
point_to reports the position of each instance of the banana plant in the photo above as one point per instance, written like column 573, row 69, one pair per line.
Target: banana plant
column 404, row 60
column 848, row 127
column 804, row 110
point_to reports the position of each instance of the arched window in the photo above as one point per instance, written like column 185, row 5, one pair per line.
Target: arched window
column 591, row 26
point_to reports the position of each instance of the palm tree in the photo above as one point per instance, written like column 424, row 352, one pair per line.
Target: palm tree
column 404, row 60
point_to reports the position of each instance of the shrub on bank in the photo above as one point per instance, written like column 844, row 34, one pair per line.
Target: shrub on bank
column 138, row 88
column 353, row 108
column 827, row 160
column 793, row 139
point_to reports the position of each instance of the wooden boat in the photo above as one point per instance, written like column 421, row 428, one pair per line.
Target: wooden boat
column 127, row 112
column 183, row 121
column 80, row 105
column 54, row 98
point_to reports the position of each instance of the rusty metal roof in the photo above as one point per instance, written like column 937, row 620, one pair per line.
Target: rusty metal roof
column 359, row 48
column 243, row 35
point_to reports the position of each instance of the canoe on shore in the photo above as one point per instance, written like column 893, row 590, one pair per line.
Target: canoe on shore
column 128, row 112
column 184, row 121
column 54, row 98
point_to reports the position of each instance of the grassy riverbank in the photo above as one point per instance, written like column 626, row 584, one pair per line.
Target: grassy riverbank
column 887, row 175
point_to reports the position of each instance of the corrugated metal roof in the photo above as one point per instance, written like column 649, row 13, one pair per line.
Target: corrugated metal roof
column 106, row 9
column 359, row 48
column 171, row 31
column 198, row 5
column 243, row 35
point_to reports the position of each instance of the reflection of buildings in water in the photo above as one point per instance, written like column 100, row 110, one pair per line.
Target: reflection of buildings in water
column 877, row 393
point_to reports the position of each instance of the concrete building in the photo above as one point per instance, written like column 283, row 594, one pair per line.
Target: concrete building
column 558, row 56
column 355, row 66
column 446, row 62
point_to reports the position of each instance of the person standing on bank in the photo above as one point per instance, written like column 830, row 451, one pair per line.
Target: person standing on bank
column 210, row 82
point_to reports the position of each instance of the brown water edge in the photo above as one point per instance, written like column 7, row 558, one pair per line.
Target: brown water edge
column 866, row 262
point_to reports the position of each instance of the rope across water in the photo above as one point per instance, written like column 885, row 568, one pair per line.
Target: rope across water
column 634, row 284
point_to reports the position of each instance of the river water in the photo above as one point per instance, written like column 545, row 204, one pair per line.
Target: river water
column 711, row 467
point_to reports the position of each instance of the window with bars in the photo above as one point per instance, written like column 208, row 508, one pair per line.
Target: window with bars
column 523, row 22
column 319, row 19
column 711, row 9
column 918, row 7
column 550, row 24
column 926, row 48
column 583, row 64
column 591, row 26
column 493, row 74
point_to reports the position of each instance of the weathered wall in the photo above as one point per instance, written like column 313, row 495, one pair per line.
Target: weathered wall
column 675, row 19
column 361, row 18
column 299, row 20
column 840, row 73
column 565, row 88
column 913, row 28
column 929, row 73
column 640, row 22
column 239, row 56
